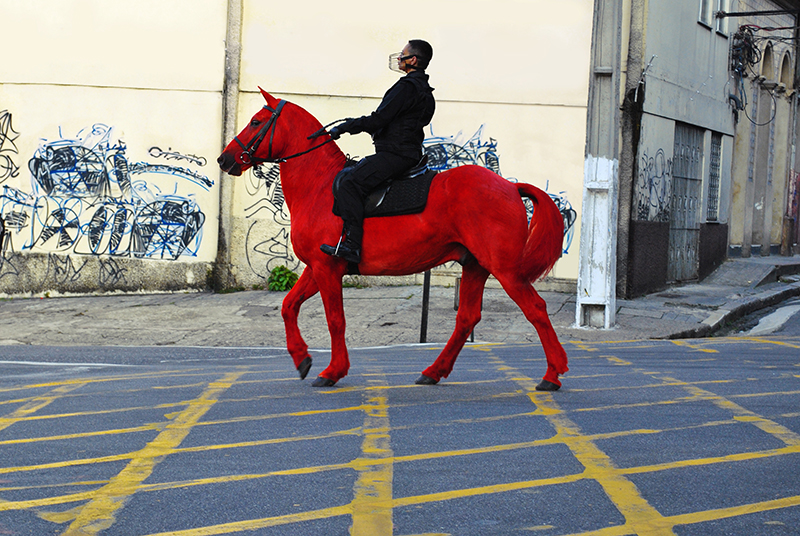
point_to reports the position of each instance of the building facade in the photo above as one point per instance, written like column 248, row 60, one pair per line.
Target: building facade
column 695, row 122
column 112, row 115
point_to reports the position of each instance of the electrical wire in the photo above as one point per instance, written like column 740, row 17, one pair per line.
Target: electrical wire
column 745, row 53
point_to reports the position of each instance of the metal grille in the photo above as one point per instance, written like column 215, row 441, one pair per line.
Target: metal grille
column 713, row 177
column 684, row 225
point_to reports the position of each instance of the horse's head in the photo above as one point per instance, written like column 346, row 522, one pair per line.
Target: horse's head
column 262, row 140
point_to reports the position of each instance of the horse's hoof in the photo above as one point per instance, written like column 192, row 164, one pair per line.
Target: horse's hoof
column 426, row 380
column 545, row 385
column 323, row 382
column 304, row 367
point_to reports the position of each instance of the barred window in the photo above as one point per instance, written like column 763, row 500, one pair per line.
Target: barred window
column 713, row 177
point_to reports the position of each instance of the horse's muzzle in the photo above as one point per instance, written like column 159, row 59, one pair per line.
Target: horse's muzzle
column 229, row 165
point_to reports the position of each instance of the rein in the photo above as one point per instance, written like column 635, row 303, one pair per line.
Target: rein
column 246, row 156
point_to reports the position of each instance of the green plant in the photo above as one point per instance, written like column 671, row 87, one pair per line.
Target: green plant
column 281, row 278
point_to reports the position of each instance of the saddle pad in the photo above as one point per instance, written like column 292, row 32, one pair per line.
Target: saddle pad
column 407, row 196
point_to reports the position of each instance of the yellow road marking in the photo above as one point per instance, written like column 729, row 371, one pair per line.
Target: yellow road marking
column 745, row 415
column 696, row 462
column 255, row 524
column 769, row 341
column 697, row 347
column 36, row 404
column 99, row 513
column 343, row 390
column 704, row 516
column 120, row 378
column 119, row 431
column 640, row 517
column 372, row 500
column 101, row 412
column 745, row 456
column 486, row 490
column 600, row 469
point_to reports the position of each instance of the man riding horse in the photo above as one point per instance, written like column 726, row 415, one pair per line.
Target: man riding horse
column 396, row 127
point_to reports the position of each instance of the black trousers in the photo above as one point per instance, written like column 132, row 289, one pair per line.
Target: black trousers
column 357, row 182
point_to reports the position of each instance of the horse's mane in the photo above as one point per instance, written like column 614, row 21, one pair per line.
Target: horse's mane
column 330, row 154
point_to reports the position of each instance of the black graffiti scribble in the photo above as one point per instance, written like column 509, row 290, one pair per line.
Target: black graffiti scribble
column 8, row 168
column 165, row 228
column 7, row 255
column 653, row 187
column 111, row 273
column 265, row 255
column 7, row 265
column 63, row 224
column 64, row 269
column 77, row 171
column 266, row 249
column 169, row 154
column 197, row 178
column 108, row 227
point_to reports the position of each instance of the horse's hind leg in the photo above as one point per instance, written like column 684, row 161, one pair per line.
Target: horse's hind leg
column 473, row 279
column 303, row 289
column 535, row 310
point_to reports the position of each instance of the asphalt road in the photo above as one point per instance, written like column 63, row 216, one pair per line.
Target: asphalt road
column 696, row 437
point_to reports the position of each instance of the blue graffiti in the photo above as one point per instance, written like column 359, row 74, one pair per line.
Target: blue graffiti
column 447, row 152
column 87, row 199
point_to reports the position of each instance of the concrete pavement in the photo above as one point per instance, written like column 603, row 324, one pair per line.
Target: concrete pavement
column 387, row 315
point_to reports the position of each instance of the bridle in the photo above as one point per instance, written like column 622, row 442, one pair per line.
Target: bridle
column 247, row 157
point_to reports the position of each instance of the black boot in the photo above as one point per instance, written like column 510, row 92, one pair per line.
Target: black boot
column 348, row 248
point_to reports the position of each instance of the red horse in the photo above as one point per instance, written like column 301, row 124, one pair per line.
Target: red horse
column 473, row 216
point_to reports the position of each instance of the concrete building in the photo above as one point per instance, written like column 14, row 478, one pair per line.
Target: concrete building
column 666, row 134
column 112, row 115
column 693, row 124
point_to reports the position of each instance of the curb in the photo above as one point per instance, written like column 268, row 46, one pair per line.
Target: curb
column 722, row 317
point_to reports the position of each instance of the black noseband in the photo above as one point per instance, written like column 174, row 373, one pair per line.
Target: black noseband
column 246, row 156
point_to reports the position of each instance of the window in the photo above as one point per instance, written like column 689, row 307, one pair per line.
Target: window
column 713, row 177
column 705, row 12
column 721, row 25
column 708, row 14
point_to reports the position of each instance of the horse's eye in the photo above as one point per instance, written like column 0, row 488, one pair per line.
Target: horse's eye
column 254, row 123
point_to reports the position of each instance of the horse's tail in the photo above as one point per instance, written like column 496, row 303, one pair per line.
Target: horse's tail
column 545, row 234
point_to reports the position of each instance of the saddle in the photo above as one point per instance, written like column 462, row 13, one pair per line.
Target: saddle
column 407, row 194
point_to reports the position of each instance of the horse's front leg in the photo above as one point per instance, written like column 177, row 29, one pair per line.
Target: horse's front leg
column 303, row 289
column 329, row 281
column 470, row 296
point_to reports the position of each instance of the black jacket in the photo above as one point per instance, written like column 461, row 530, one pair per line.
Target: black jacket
column 397, row 125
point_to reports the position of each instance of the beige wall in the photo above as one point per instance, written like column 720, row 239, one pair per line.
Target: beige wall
column 762, row 152
column 142, row 82
column 517, row 72
column 120, row 105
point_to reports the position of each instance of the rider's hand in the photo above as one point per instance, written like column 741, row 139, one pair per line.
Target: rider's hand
column 335, row 133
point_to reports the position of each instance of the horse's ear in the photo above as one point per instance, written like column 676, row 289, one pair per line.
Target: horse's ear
column 271, row 101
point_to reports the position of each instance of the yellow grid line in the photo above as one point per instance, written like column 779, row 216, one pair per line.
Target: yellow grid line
column 99, row 513
column 601, row 465
column 640, row 517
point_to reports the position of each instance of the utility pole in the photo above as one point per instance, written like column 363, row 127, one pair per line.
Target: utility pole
column 597, row 273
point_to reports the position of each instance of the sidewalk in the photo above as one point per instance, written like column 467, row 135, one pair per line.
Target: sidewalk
column 387, row 315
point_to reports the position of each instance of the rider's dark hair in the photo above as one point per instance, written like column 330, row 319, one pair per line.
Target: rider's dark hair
column 422, row 50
